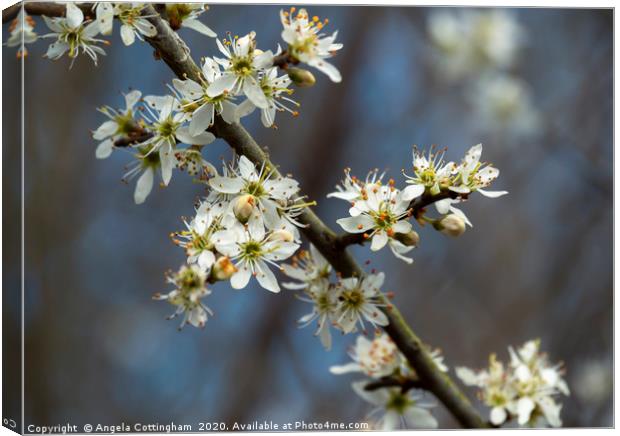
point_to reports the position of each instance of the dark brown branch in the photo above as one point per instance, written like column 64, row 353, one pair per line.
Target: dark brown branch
column 132, row 139
column 171, row 48
column 405, row 384
column 47, row 9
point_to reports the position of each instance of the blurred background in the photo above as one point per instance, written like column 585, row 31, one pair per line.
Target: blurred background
column 533, row 85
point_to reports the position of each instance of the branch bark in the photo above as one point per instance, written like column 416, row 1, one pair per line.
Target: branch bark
column 175, row 53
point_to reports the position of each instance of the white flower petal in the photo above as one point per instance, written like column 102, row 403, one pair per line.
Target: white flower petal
column 127, row 34
column 417, row 417
column 343, row 369
column 412, row 191
column 240, row 279
column 266, row 278
column 379, row 240
column 254, row 92
column 104, row 149
column 492, row 194
column 221, row 84
column 75, row 16
column 203, row 138
column 108, row 128
column 201, row 119
column 358, row 224
column 143, row 186
column 227, row 185
column 498, row 415
column 194, row 24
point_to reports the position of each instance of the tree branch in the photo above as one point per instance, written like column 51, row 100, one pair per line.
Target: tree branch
column 405, row 384
column 47, row 9
column 175, row 53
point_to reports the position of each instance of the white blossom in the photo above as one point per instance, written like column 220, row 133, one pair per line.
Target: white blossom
column 503, row 105
column 133, row 23
column 252, row 249
column 469, row 41
column 276, row 90
column 395, row 409
column 242, row 64
column 198, row 240
column 190, row 283
column 271, row 198
column 306, row 44
column 377, row 358
column 324, row 300
column 121, row 123
column 72, row 35
column 360, row 300
column 474, row 175
column 201, row 107
column 145, row 165
column 167, row 128
column 308, row 268
column 430, row 173
column 380, row 213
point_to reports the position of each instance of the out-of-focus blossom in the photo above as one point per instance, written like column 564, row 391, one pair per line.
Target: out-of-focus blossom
column 191, row 288
column 377, row 358
column 470, row 41
column 395, row 409
column 526, row 389
column 503, row 105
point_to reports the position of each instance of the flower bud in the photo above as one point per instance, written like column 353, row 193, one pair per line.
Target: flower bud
column 244, row 206
column 300, row 77
column 222, row 269
column 282, row 235
column 411, row 239
column 451, row 225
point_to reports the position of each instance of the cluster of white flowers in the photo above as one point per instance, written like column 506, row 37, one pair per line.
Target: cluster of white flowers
column 74, row 33
column 472, row 40
column 245, row 226
column 185, row 115
column 380, row 211
column 526, row 388
column 344, row 304
column 396, row 406
column 481, row 47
